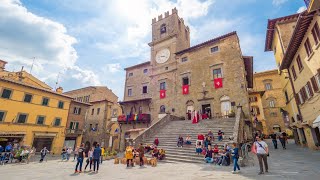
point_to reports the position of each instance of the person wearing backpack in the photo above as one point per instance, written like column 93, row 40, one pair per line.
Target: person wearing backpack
column 261, row 149
column 235, row 157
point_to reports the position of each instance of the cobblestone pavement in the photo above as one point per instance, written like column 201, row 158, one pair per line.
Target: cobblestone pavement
column 294, row 163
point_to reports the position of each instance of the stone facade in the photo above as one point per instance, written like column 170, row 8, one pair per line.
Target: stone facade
column 268, row 97
column 192, row 66
column 76, row 123
column 101, row 116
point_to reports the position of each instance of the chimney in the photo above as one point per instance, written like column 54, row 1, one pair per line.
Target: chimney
column 2, row 65
column 59, row 90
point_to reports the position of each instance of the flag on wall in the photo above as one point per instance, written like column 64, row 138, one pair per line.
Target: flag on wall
column 162, row 93
column 217, row 83
column 185, row 89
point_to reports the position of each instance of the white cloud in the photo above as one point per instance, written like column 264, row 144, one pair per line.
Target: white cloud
column 301, row 9
column 25, row 35
column 278, row 2
column 113, row 68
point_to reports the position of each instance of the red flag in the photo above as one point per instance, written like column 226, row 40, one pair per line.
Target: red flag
column 162, row 93
column 185, row 89
column 217, row 83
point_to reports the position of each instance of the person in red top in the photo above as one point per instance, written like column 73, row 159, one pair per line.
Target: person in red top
column 156, row 142
column 216, row 149
column 200, row 137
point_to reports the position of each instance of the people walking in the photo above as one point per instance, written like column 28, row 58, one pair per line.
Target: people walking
column 89, row 159
column 274, row 140
column 96, row 157
column 81, row 155
column 141, row 154
column 75, row 156
column 43, row 153
column 69, row 151
column 283, row 139
column 102, row 154
column 262, row 151
column 235, row 158
column 64, row 153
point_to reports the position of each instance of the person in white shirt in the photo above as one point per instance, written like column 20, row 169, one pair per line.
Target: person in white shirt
column 69, row 151
column 24, row 153
column 262, row 154
column 89, row 159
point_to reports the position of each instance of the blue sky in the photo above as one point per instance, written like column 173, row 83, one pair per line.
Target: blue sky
column 90, row 42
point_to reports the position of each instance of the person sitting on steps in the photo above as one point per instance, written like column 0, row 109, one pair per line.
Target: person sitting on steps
column 209, row 155
column 180, row 141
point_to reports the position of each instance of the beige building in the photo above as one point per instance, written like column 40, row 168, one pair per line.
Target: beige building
column 295, row 42
column 101, row 123
column 211, row 77
column 267, row 102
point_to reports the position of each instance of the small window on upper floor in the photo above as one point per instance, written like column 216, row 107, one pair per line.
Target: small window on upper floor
column 162, row 85
column 185, row 81
column 57, row 122
column 217, row 73
column 184, row 59
column 145, row 71
column 129, row 92
column 45, row 101
column 144, row 89
column 60, row 104
column 272, row 103
column 40, row 120
column 130, row 74
column 6, row 93
column 92, row 111
column 163, row 29
column 214, row 49
column 166, row 68
column 2, row 115
column 268, row 86
column 98, row 111
column 27, row 98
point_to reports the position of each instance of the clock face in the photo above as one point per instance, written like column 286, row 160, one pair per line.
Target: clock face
column 163, row 55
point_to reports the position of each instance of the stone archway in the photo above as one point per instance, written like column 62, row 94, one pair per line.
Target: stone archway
column 189, row 108
column 225, row 105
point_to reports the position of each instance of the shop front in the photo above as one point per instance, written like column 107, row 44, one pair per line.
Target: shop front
column 11, row 137
column 42, row 140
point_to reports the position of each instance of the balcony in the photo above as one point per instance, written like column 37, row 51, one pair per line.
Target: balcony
column 74, row 131
column 134, row 118
column 312, row 5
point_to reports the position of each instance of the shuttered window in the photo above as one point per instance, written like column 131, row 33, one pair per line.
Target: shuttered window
column 316, row 33
column 300, row 66
column 293, row 72
column 310, row 88
column 314, row 84
column 308, row 47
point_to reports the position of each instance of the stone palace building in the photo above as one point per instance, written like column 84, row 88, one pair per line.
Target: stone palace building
column 211, row 77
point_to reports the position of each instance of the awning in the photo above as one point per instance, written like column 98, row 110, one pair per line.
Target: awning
column 316, row 123
column 45, row 134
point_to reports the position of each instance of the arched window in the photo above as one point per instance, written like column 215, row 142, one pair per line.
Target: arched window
column 272, row 103
column 163, row 29
column 162, row 109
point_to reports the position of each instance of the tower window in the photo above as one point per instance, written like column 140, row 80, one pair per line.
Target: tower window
column 214, row 49
column 184, row 59
column 185, row 81
column 163, row 28
column 144, row 89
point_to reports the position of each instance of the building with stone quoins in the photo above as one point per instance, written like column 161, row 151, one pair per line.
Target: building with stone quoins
column 101, row 123
column 267, row 102
column 211, row 77
column 295, row 41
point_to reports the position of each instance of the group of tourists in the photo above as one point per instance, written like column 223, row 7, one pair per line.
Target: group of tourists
column 94, row 157
column 283, row 138
column 14, row 152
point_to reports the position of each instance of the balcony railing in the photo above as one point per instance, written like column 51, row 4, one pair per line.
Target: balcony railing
column 134, row 118
column 74, row 131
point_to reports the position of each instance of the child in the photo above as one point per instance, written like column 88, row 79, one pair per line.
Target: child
column 216, row 149
column 129, row 156
column 198, row 147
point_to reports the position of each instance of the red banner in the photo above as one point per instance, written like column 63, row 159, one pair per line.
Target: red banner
column 162, row 94
column 218, row 83
column 185, row 89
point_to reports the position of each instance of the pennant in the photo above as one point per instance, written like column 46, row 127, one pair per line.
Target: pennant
column 162, row 93
column 185, row 89
column 217, row 83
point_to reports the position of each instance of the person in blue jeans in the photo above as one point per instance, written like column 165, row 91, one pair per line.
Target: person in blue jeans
column 80, row 158
column 235, row 157
column 209, row 155
column 96, row 158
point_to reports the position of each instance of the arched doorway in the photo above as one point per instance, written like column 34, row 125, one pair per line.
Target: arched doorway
column 225, row 105
column 276, row 128
column 190, row 108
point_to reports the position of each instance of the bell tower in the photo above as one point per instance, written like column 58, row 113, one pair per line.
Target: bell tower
column 169, row 35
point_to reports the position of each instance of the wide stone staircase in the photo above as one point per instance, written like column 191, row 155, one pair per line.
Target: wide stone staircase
column 169, row 134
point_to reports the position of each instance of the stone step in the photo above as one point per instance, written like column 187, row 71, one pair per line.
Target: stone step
column 174, row 143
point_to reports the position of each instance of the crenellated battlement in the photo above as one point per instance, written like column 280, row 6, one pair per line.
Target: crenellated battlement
column 166, row 14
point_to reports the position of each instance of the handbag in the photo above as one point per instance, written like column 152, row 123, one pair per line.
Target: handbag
column 263, row 148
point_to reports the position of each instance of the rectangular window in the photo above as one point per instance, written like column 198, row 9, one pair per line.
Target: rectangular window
column 98, row 111
column 130, row 74
column 294, row 73
column 271, row 103
column 22, row 118
column 45, row 101
column 57, row 122
column 144, row 89
column 314, row 84
column 308, row 93
column 308, row 47
column 145, row 71
column 268, row 86
column 92, row 111
column 300, row 66
column 287, row 97
column 129, row 92
column 214, row 49
column 40, row 120
column 77, row 110
column 163, row 86
column 217, row 73
column 184, row 59
column 27, row 98
column 2, row 116
column 185, row 81
column 60, row 104
column 6, row 93
column 316, row 33
column 74, row 125
column 300, row 97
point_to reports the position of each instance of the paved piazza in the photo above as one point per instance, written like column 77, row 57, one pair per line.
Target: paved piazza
column 293, row 163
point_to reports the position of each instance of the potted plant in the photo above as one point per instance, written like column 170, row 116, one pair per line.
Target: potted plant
column 114, row 154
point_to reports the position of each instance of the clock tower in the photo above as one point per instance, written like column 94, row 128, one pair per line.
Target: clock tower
column 169, row 35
